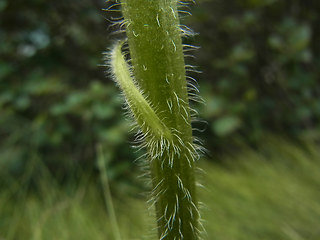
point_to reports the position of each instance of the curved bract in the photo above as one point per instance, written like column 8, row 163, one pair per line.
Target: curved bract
column 145, row 116
column 156, row 93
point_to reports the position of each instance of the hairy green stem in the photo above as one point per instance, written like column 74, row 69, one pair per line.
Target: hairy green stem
column 158, row 99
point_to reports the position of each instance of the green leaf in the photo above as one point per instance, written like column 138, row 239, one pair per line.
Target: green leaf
column 226, row 125
column 300, row 37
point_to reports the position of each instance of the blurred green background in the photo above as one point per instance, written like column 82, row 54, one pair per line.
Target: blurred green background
column 261, row 70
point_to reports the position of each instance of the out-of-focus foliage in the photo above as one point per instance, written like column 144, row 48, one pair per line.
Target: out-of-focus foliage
column 253, row 196
column 261, row 62
column 260, row 58
column 261, row 71
column 55, row 102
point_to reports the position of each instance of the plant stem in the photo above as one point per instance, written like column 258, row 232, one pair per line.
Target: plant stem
column 156, row 51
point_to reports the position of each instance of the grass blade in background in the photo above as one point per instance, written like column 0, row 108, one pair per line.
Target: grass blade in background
column 107, row 193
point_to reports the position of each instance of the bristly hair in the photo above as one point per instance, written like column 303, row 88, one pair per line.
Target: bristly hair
column 151, row 132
